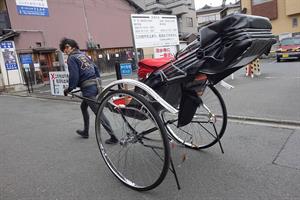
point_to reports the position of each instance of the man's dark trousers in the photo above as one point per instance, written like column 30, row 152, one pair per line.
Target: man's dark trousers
column 94, row 107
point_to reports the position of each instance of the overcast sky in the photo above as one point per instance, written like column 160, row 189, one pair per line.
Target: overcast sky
column 201, row 3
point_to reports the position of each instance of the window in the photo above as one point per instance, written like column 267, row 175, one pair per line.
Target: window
column 179, row 23
column 209, row 18
column 189, row 22
column 294, row 22
column 256, row 2
column 38, row 44
column 290, row 41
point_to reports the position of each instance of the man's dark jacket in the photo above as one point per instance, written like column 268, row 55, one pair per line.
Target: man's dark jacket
column 82, row 68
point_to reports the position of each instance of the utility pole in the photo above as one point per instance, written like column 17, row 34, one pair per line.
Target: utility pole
column 90, row 41
column 86, row 22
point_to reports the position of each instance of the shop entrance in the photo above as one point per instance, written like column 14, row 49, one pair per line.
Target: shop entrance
column 45, row 66
column 47, row 62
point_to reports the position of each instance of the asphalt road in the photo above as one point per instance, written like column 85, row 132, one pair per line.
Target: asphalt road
column 272, row 95
column 42, row 158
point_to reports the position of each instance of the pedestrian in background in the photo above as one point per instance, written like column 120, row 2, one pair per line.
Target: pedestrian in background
column 84, row 73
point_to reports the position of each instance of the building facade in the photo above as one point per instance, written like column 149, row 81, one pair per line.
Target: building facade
column 183, row 9
column 284, row 14
column 35, row 27
column 209, row 14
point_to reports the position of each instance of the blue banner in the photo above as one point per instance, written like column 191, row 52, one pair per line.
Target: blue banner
column 33, row 11
column 11, row 66
column 6, row 45
column 26, row 59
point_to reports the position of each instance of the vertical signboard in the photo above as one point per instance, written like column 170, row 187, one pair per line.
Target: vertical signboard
column 32, row 7
column 154, row 30
column 9, row 55
column 58, row 82
column 9, row 63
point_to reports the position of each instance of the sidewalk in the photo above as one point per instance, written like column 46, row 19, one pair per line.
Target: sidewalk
column 44, row 90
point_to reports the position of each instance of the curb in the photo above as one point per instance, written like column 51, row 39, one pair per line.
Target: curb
column 265, row 120
column 55, row 98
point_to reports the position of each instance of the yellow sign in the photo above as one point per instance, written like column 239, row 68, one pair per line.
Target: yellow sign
column 285, row 55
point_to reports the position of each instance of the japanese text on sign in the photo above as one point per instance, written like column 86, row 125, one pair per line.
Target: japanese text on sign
column 26, row 59
column 58, row 82
column 9, row 55
column 164, row 52
column 154, row 30
column 126, row 69
column 32, row 7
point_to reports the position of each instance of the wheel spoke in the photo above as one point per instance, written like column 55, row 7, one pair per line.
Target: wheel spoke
column 207, row 126
column 140, row 159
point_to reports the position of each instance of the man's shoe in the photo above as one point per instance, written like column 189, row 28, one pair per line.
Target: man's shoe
column 83, row 134
column 112, row 140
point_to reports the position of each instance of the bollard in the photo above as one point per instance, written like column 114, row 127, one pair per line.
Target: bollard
column 256, row 67
column 253, row 68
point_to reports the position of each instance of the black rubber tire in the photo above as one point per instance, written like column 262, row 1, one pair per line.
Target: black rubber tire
column 160, row 138
column 183, row 134
column 278, row 59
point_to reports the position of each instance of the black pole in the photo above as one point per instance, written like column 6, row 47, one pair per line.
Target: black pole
column 118, row 73
column 27, row 80
column 30, row 80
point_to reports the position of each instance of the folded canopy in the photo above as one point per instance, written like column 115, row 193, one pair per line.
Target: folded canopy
column 220, row 49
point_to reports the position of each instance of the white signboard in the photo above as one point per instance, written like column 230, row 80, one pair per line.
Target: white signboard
column 9, row 55
column 58, row 82
column 9, row 63
column 165, row 52
column 154, row 30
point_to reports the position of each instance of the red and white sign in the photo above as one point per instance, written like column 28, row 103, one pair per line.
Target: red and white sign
column 164, row 52
column 58, row 82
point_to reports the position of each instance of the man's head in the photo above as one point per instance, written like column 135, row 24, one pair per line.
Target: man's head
column 68, row 45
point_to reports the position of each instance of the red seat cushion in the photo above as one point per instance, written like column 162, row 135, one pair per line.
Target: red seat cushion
column 148, row 65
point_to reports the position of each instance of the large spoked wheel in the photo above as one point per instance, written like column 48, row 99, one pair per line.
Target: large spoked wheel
column 141, row 157
column 207, row 126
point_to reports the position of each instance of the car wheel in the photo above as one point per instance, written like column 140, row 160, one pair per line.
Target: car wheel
column 278, row 59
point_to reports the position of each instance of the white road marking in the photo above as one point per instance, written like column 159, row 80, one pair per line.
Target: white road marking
column 272, row 77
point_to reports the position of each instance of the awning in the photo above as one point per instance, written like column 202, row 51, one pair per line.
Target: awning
column 9, row 35
column 44, row 50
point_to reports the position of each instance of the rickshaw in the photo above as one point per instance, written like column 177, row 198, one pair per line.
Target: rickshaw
column 176, row 100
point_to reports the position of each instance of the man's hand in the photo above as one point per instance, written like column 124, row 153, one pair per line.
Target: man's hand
column 66, row 91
